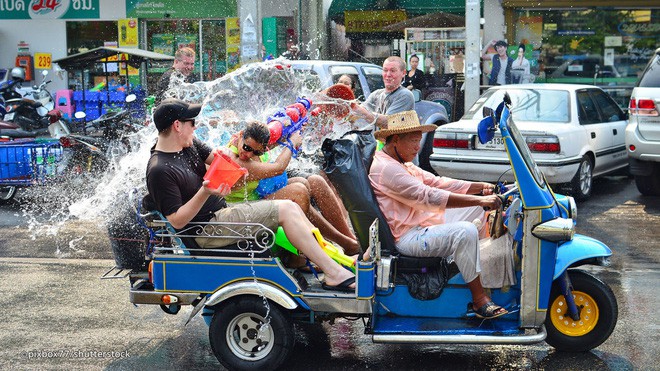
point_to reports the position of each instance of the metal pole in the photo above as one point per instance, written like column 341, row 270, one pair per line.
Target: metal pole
column 472, row 52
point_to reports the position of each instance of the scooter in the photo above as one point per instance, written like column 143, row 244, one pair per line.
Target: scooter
column 35, row 113
column 250, row 300
column 101, row 141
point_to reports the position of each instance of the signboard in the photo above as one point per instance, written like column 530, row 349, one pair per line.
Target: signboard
column 43, row 61
column 181, row 9
column 49, row 9
column 372, row 21
column 233, row 45
column 128, row 33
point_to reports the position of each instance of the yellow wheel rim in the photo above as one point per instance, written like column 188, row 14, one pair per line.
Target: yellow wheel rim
column 567, row 325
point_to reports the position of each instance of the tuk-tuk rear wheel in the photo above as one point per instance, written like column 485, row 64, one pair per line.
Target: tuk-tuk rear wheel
column 598, row 314
column 246, row 335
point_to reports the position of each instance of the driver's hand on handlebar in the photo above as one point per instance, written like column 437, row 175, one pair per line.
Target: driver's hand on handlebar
column 491, row 202
column 487, row 188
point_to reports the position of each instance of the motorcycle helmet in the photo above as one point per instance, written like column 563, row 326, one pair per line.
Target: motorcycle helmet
column 18, row 73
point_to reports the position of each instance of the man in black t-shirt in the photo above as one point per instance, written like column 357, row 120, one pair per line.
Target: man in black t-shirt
column 177, row 189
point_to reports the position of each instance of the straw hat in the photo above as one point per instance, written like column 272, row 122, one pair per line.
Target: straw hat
column 403, row 122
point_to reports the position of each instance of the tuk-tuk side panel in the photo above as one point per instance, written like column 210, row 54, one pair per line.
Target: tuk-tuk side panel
column 388, row 325
column 366, row 281
column 452, row 303
column 538, row 264
column 190, row 274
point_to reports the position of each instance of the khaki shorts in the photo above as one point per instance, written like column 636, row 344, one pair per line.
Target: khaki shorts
column 262, row 212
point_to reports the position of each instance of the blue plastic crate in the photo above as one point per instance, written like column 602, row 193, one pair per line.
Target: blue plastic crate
column 117, row 96
column 92, row 96
column 15, row 162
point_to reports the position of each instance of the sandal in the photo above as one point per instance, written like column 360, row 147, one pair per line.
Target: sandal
column 489, row 310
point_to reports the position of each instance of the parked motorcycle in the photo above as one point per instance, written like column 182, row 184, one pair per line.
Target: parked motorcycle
column 102, row 141
column 8, row 88
column 34, row 114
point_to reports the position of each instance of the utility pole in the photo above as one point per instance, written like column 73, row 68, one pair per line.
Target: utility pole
column 472, row 52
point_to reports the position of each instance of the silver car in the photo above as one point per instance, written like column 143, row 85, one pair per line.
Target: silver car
column 575, row 132
column 369, row 77
column 643, row 130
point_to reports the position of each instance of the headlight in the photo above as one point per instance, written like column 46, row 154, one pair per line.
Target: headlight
column 555, row 230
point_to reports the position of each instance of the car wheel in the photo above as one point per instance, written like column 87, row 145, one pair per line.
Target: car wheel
column 582, row 182
column 649, row 185
column 7, row 193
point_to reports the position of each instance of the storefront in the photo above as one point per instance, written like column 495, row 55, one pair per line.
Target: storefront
column 365, row 23
column 601, row 42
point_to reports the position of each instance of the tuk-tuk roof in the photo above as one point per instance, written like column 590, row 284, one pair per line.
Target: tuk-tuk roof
column 89, row 58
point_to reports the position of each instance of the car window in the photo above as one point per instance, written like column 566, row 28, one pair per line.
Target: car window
column 609, row 110
column 374, row 77
column 338, row 71
column 651, row 75
column 587, row 111
column 536, row 105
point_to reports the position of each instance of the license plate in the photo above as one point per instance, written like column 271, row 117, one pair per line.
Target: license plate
column 9, row 116
column 496, row 144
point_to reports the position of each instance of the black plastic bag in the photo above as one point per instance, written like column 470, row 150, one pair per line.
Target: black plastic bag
column 347, row 163
column 429, row 284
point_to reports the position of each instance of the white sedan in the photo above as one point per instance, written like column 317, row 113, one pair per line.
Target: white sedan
column 575, row 132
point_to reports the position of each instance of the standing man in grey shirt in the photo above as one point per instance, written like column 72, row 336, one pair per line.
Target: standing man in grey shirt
column 394, row 98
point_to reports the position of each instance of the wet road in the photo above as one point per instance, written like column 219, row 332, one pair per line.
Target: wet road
column 58, row 314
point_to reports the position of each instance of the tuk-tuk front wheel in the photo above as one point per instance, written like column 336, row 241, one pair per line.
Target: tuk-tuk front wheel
column 598, row 314
column 245, row 335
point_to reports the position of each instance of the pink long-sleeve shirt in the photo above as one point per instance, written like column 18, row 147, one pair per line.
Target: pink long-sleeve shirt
column 409, row 196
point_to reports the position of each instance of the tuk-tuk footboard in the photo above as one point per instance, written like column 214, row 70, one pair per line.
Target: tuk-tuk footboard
column 528, row 337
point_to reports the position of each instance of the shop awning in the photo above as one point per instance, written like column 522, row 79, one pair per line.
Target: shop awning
column 412, row 7
column 433, row 20
column 89, row 58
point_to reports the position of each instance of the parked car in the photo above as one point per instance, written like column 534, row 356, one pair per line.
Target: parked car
column 369, row 77
column 575, row 132
column 643, row 130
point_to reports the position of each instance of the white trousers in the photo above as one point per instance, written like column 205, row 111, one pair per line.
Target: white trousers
column 458, row 237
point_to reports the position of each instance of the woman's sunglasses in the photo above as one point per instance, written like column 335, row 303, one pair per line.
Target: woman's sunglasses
column 247, row 148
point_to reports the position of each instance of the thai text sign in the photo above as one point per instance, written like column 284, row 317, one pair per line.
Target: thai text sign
column 372, row 21
column 49, row 9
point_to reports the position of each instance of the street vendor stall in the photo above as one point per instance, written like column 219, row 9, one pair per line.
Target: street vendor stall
column 109, row 58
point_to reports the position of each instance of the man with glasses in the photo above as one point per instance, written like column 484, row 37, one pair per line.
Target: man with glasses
column 178, row 191
column 181, row 70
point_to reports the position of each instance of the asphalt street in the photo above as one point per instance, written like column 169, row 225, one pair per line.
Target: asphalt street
column 58, row 314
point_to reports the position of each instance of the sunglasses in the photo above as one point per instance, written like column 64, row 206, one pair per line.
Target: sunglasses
column 247, row 148
column 191, row 121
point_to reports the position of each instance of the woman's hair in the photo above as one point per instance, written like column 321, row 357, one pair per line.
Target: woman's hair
column 521, row 46
column 257, row 131
column 350, row 78
column 414, row 56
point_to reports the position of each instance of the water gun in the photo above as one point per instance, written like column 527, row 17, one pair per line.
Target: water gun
column 287, row 121
column 268, row 186
column 333, row 252
column 98, row 87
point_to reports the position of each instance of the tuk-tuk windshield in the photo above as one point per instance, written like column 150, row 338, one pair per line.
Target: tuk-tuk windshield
column 526, row 155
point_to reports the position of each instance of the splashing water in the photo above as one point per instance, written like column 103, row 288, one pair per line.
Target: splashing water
column 252, row 92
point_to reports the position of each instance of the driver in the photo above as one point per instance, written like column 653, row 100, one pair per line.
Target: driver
column 431, row 216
